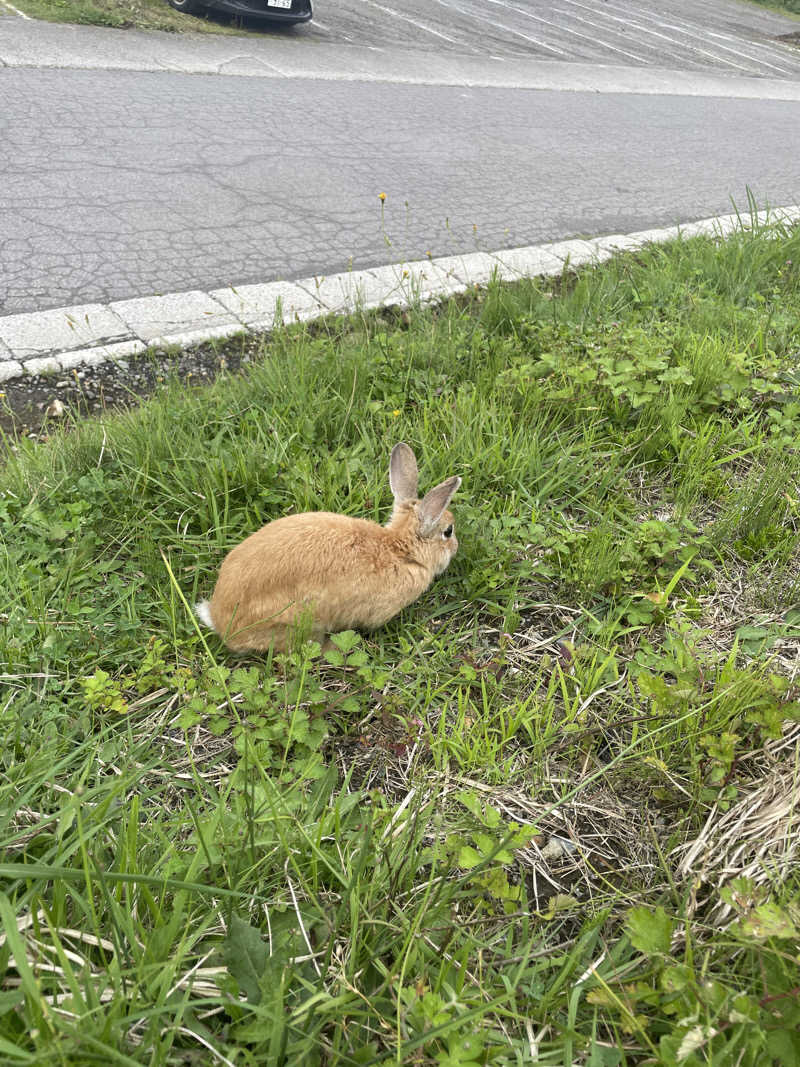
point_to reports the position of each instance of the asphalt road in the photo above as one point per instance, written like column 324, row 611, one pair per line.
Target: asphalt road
column 117, row 183
column 120, row 184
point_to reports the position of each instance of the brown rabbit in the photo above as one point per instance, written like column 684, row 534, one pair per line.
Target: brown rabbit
column 337, row 572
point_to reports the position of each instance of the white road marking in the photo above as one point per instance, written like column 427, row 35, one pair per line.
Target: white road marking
column 16, row 10
column 625, row 26
column 501, row 26
column 769, row 49
column 327, row 29
column 697, row 33
column 700, row 33
column 407, row 18
column 665, row 37
column 566, row 29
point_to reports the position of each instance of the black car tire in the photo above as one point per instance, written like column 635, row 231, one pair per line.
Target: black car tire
column 188, row 7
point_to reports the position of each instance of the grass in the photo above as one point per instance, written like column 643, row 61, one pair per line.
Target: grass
column 782, row 7
column 545, row 816
column 130, row 14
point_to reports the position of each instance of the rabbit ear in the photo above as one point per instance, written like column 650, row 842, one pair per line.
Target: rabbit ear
column 434, row 502
column 403, row 476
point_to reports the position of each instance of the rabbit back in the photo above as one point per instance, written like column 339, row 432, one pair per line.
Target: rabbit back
column 338, row 572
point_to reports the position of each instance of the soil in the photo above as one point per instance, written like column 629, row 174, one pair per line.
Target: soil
column 30, row 406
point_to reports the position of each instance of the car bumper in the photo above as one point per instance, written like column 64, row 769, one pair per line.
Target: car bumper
column 257, row 9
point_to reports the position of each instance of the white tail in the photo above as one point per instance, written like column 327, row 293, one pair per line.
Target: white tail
column 203, row 611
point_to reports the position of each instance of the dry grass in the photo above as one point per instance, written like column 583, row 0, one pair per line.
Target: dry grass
column 757, row 838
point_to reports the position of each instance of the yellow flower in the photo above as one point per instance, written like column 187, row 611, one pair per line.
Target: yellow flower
column 381, row 197
column 395, row 413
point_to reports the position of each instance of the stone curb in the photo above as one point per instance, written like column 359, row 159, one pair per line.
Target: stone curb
column 61, row 339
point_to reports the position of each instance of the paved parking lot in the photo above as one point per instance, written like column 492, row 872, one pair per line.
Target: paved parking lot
column 714, row 37
column 686, row 34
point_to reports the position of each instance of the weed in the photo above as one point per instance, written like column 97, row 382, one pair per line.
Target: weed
column 546, row 815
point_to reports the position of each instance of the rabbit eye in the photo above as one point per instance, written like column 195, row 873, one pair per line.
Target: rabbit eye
column 448, row 531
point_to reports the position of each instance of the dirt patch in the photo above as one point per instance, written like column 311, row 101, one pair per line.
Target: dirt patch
column 32, row 405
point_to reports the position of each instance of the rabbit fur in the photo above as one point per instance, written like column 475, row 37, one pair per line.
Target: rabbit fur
column 332, row 571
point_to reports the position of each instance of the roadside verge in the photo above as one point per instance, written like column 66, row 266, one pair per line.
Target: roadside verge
column 61, row 339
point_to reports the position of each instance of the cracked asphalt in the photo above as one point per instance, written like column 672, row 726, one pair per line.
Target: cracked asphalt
column 164, row 177
column 118, row 184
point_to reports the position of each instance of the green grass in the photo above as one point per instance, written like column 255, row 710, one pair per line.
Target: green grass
column 545, row 816
column 783, row 7
column 128, row 14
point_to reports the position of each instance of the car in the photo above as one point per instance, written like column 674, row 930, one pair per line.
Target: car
column 286, row 11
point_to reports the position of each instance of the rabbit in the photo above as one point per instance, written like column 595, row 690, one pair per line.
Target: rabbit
column 336, row 572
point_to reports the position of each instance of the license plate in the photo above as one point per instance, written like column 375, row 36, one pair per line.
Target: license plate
column 279, row 3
